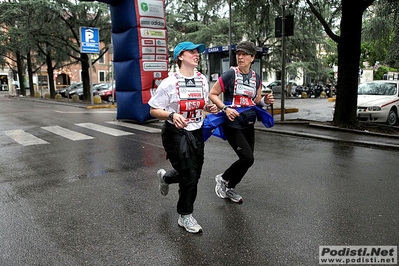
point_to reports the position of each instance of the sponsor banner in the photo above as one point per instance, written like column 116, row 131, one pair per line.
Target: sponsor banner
column 152, row 33
column 147, row 50
column 152, row 23
column 161, row 43
column 149, row 57
column 148, row 42
column 161, row 57
column 151, row 9
column 155, row 66
column 162, row 50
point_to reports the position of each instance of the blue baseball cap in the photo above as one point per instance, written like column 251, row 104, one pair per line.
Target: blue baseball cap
column 187, row 46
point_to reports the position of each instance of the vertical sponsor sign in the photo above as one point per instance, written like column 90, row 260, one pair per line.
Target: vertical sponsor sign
column 153, row 44
column 140, row 56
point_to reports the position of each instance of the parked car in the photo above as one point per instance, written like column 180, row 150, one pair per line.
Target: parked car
column 378, row 101
column 276, row 87
column 265, row 90
column 65, row 91
column 100, row 87
column 78, row 91
column 106, row 95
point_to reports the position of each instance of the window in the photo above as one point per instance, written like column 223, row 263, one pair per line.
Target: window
column 101, row 60
column 101, row 76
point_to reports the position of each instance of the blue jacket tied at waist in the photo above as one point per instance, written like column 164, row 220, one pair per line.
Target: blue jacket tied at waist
column 213, row 122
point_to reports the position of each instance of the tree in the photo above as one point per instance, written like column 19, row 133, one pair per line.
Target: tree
column 381, row 33
column 47, row 49
column 348, row 43
column 14, row 43
column 77, row 14
column 30, row 38
column 301, row 49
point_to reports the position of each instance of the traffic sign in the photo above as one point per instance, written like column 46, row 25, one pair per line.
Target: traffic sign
column 89, row 40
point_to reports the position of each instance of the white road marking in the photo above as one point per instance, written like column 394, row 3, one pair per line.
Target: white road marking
column 87, row 112
column 66, row 133
column 135, row 126
column 24, row 138
column 106, row 130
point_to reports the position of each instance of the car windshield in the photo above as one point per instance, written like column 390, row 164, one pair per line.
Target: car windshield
column 377, row 88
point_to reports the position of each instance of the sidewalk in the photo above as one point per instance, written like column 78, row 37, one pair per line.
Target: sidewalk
column 303, row 125
column 64, row 101
column 316, row 130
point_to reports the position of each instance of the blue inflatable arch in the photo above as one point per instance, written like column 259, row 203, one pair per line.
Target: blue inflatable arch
column 140, row 54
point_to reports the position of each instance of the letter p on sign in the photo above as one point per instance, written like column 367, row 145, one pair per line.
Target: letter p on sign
column 89, row 35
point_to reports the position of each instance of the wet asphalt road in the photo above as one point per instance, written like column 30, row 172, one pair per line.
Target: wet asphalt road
column 96, row 201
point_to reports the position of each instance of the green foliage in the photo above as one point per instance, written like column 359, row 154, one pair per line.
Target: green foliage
column 381, row 33
column 195, row 21
column 379, row 74
column 49, row 31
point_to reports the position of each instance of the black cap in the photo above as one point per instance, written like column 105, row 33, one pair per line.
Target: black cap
column 248, row 47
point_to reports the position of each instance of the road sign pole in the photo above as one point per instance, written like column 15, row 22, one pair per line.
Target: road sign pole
column 282, row 108
column 91, row 80
column 90, row 43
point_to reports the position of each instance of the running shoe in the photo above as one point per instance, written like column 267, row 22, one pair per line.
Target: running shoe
column 163, row 186
column 233, row 195
column 220, row 187
column 189, row 223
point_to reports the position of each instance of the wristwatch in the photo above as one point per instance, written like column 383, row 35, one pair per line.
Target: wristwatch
column 171, row 116
column 224, row 108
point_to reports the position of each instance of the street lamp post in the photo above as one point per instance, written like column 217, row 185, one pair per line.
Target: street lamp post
column 230, row 33
column 283, row 3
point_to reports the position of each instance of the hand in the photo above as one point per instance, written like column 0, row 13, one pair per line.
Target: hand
column 269, row 98
column 213, row 108
column 231, row 114
column 179, row 121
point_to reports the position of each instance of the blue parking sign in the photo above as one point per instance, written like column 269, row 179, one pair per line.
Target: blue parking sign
column 89, row 40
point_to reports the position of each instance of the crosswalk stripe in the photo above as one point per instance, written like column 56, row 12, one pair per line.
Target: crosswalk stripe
column 135, row 126
column 91, row 111
column 66, row 133
column 106, row 130
column 24, row 138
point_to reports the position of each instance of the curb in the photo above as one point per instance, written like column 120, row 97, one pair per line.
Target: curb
column 101, row 106
column 65, row 102
column 367, row 143
column 277, row 111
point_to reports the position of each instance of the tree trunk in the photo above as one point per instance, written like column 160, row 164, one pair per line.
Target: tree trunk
column 30, row 75
column 85, row 77
column 20, row 69
column 50, row 73
column 348, row 63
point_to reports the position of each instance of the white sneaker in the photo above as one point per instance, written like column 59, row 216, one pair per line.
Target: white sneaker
column 220, row 188
column 163, row 186
column 189, row 223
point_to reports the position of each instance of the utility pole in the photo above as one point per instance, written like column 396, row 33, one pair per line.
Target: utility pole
column 283, row 60
column 283, row 3
column 230, row 33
